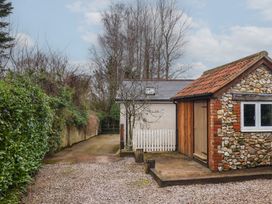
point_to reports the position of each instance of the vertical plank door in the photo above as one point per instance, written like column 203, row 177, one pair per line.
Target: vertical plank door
column 200, row 130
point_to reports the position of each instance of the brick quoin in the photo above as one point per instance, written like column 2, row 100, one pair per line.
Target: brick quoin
column 215, row 159
column 236, row 111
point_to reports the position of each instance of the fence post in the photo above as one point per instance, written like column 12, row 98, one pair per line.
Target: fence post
column 149, row 164
column 139, row 155
column 122, row 145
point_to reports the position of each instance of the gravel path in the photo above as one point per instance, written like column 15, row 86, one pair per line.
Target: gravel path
column 125, row 182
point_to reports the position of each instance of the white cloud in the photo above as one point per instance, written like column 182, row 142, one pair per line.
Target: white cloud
column 90, row 37
column 79, row 6
column 263, row 6
column 82, row 66
column 215, row 49
column 23, row 40
column 90, row 13
column 197, row 4
column 206, row 49
column 93, row 17
column 196, row 70
column 75, row 7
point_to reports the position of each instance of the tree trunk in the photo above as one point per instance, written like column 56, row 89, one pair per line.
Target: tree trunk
column 129, row 144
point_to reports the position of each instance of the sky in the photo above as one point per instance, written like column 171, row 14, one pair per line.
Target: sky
column 221, row 31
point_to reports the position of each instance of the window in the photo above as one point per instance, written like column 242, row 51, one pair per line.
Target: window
column 266, row 113
column 256, row 116
column 249, row 115
column 150, row 91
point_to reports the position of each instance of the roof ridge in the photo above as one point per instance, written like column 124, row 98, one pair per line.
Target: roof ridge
column 214, row 80
column 258, row 54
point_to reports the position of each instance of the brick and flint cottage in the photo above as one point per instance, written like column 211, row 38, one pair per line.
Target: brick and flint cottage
column 224, row 118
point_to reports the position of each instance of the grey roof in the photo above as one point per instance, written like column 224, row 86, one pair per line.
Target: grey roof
column 164, row 89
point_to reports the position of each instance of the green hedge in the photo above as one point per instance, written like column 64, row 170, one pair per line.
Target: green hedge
column 25, row 123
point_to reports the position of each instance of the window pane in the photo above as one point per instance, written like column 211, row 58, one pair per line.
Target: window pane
column 266, row 114
column 249, row 115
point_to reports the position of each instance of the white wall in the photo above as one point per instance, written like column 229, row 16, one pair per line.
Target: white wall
column 157, row 116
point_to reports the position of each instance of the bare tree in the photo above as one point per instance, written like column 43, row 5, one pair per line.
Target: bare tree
column 107, row 60
column 145, row 39
column 51, row 71
column 133, row 98
column 33, row 59
column 174, row 25
column 105, row 84
column 140, row 41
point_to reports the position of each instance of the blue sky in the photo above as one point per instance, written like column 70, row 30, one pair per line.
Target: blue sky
column 221, row 30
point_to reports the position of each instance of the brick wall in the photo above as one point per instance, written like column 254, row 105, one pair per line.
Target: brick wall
column 215, row 124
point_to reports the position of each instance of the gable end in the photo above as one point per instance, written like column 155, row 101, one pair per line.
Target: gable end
column 266, row 62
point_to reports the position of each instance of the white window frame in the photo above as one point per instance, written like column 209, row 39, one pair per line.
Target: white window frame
column 257, row 127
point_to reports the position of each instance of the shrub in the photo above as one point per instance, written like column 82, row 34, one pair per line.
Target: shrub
column 25, row 123
column 72, row 114
column 115, row 111
column 65, row 114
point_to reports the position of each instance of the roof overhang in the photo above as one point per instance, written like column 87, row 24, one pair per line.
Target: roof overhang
column 192, row 97
column 146, row 100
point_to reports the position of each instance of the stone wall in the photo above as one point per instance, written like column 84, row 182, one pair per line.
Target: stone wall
column 232, row 149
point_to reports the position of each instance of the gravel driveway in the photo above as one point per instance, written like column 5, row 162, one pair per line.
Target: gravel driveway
column 123, row 181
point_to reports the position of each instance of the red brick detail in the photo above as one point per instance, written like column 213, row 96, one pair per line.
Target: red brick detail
column 236, row 111
column 226, row 166
column 215, row 159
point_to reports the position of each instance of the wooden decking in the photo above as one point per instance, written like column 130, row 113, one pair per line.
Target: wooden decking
column 175, row 169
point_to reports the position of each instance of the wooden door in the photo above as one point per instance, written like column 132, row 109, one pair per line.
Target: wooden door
column 200, row 130
column 185, row 127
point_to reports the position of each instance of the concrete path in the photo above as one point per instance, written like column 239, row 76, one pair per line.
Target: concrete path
column 101, row 149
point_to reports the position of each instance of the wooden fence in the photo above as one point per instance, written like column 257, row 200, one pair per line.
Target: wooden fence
column 154, row 140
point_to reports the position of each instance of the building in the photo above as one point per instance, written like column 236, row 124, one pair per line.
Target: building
column 224, row 117
column 155, row 127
